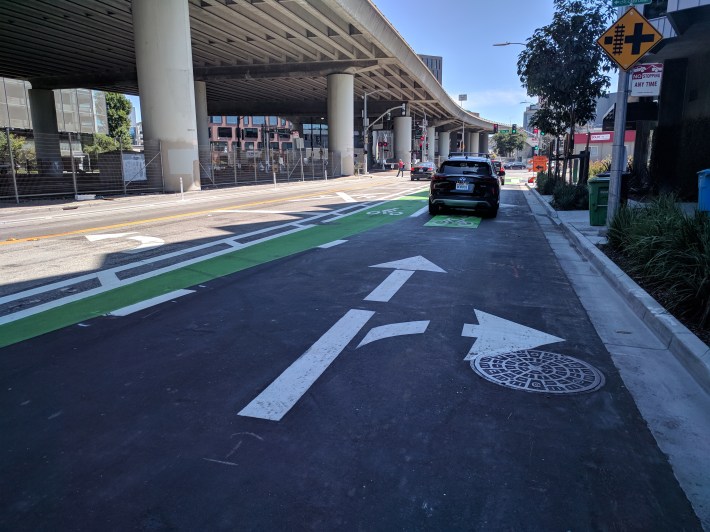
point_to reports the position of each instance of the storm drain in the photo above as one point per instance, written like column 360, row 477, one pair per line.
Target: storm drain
column 539, row 371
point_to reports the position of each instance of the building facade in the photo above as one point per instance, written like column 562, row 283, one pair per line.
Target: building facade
column 78, row 110
column 680, row 146
column 435, row 64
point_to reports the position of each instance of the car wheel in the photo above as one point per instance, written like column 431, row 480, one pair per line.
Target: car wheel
column 433, row 209
column 490, row 214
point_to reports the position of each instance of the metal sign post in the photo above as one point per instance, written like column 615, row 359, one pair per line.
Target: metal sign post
column 625, row 42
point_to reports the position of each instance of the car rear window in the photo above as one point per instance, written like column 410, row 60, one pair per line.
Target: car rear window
column 466, row 167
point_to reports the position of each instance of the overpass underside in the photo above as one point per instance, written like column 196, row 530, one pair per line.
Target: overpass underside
column 188, row 59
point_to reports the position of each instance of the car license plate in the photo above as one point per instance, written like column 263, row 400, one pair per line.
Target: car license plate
column 462, row 186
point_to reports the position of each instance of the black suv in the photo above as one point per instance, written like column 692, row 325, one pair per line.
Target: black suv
column 465, row 182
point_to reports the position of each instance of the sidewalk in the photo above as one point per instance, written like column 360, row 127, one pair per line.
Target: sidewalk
column 685, row 346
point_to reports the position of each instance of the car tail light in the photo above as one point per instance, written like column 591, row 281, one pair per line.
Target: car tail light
column 438, row 177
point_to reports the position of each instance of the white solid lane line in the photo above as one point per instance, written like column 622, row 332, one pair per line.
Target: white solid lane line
column 278, row 398
column 333, row 243
column 130, row 309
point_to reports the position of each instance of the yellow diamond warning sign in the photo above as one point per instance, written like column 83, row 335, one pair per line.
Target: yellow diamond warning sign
column 629, row 39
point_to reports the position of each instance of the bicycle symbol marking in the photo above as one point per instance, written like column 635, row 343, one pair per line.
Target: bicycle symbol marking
column 388, row 212
column 467, row 222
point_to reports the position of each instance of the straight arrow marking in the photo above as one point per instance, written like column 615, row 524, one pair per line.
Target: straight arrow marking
column 496, row 336
column 412, row 263
column 95, row 238
column 403, row 270
column 389, row 286
column 280, row 396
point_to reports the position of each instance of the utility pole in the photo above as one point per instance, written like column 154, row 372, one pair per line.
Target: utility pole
column 463, row 98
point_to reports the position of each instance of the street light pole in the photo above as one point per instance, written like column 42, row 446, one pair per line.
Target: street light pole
column 463, row 98
column 365, row 128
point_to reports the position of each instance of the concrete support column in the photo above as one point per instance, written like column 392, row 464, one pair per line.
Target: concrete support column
column 444, row 144
column 403, row 139
column 161, row 31
column 472, row 144
column 431, row 139
column 341, row 122
column 43, row 112
column 203, row 119
column 483, row 142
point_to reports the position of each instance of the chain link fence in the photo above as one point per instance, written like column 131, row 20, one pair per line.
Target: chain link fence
column 248, row 167
column 70, row 165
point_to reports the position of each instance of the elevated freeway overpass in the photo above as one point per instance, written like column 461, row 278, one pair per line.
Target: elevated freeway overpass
column 188, row 59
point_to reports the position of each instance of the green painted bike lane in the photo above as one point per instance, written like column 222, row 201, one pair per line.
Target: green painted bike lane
column 194, row 274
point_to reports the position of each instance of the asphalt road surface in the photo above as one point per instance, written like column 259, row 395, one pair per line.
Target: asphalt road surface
column 371, row 368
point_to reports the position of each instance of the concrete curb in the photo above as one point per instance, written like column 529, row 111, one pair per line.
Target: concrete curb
column 685, row 346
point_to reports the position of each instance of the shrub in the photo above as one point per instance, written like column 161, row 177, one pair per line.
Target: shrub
column 566, row 197
column 668, row 251
column 545, row 183
column 598, row 167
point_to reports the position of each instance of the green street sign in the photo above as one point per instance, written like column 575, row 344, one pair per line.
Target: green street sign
column 504, row 131
column 623, row 3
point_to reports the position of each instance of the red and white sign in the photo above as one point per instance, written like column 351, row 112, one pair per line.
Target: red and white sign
column 646, row 79
column 602, row 137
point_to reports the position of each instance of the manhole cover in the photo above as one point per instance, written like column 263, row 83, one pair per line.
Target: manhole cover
column 539, row 371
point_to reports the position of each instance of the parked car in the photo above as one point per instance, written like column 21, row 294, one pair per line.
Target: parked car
column 500, row 171
column 515, row 165
column 463, row 182
column 424, row 169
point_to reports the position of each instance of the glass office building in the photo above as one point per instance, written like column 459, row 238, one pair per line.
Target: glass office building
column 78, row 110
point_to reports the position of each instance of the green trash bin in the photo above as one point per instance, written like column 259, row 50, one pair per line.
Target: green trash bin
column 598, row 200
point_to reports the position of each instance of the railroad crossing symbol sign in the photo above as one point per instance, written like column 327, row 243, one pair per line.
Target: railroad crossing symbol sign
column 629, row 39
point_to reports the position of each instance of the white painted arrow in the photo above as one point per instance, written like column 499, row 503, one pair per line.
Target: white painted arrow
column 394, row 329
column 496, row 336
column 403, row 270
column 95, row 238
column 146, row 243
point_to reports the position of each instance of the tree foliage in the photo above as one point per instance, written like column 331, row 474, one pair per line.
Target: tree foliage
column 507, row 143
column 563, row 65
column 16, row 145
column 118, row 110
column 102, row 143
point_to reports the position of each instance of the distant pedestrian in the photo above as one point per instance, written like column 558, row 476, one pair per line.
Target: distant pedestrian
column 400, row 165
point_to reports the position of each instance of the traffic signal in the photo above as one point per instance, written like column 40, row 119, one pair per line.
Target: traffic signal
column 495, row 128
column 514, row 130
column 535, row 131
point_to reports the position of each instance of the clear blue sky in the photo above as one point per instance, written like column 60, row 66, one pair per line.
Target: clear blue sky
column 463, row 33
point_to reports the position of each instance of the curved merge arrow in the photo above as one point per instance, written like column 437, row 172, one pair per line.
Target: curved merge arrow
column 496, row 336
column 394, row 329
column 403, row 270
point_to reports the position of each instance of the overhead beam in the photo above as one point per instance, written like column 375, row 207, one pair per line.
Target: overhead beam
column 282, row 70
